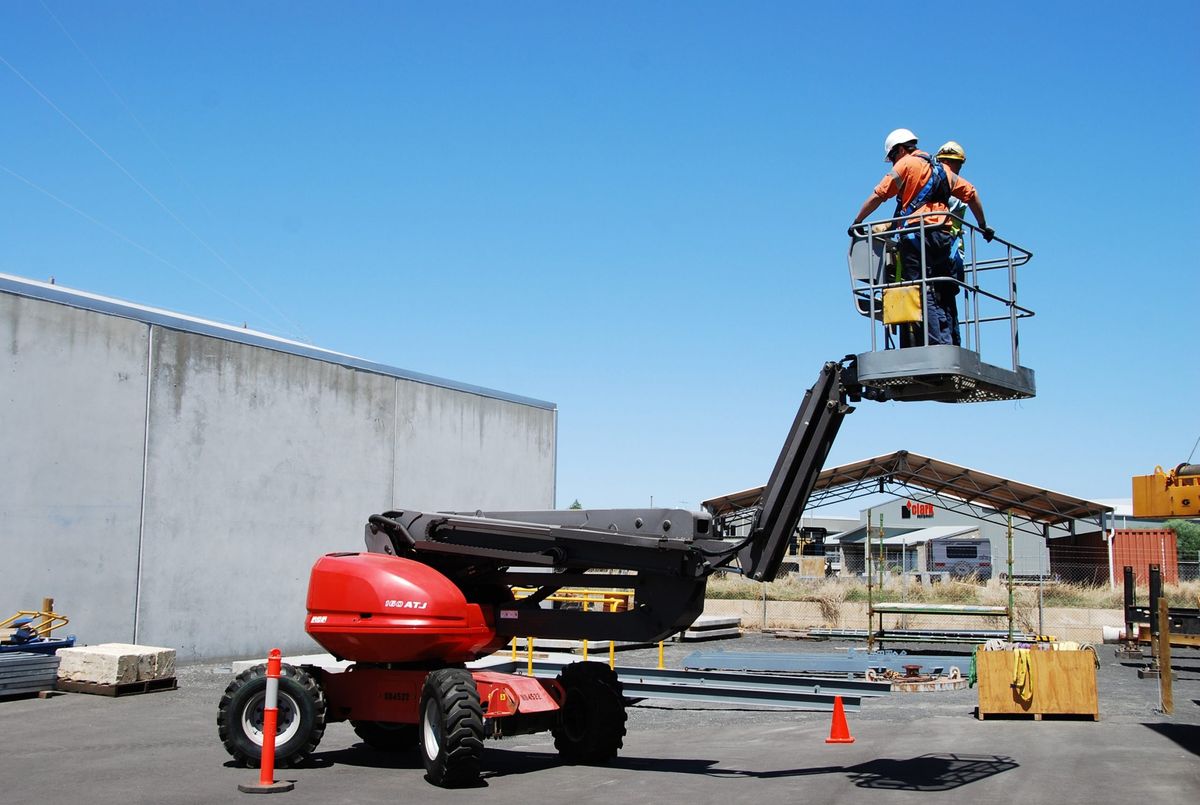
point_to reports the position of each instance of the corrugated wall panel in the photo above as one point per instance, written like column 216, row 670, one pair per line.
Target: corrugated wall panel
column 1140, row 548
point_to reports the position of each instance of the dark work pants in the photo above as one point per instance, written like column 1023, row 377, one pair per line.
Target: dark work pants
column 941, row 307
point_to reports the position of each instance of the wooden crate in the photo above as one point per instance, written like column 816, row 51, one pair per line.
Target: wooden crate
column 1064, row 683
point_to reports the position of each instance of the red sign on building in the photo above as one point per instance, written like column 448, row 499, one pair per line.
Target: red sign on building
column 914, row 509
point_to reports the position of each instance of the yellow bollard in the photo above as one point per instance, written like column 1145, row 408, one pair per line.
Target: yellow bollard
column 660, row 655
column 529, row 654
column 612, row 644
column 585, row 649
column 514, row 650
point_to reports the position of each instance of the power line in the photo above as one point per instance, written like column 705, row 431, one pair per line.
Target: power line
column 140, row 185
column 145, row 250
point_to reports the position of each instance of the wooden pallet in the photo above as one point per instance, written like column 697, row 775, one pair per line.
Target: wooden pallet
column 120, row 689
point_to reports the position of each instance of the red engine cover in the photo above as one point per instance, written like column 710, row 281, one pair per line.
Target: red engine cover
column 371, row 607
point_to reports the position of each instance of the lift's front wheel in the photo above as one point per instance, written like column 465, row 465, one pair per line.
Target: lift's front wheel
column 451, row 728
column 300, row 721
column 592, row 726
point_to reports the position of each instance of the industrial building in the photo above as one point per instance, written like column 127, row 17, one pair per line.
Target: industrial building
column 170, row 481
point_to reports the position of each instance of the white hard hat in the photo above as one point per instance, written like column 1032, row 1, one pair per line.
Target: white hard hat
column 896, row 138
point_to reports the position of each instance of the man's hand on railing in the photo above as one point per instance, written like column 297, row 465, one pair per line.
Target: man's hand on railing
column 857, row 231
column 988, row 233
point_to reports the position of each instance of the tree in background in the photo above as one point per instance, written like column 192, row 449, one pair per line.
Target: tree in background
column 578, row 505
column 1187, row 538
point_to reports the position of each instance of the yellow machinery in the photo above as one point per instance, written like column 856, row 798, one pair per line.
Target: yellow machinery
column 1168, row 494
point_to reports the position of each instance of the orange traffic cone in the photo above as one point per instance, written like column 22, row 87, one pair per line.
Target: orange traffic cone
column 839, row 731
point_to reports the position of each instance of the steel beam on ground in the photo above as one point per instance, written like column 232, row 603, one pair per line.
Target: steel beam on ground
column 924, row 636
column 726, row 688
column 855, row 663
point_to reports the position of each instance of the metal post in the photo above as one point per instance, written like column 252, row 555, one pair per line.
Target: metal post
column 529, row 655
column 612, row 644
column 1012, row 309
column 1155, row 594
column 1112, row 570
column 1130, row 603
column 1041, row 587
column 924, row 285
column 1041, row 605
column 1010, row 579
column 975, row 297
column 661, row 665
column 870, row 588
column 585, row 646
column 871, row 284
column 882, row 555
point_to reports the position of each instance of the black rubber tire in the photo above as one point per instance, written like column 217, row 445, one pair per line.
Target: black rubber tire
column 592, row 726
column 451, row 729
column 387, row 736
column 301, row 719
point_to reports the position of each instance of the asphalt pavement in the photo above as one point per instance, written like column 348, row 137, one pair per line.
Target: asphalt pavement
column 163, row 748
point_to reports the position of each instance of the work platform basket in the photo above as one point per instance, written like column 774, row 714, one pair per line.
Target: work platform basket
column 986, row 294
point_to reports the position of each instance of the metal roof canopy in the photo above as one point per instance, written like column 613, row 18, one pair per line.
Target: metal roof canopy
column 986, row 497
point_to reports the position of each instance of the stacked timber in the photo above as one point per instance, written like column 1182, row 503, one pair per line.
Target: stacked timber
column 26, row 672
column 113, row 669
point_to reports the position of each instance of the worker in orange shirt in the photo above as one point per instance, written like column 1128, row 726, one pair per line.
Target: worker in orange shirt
column 922, row 190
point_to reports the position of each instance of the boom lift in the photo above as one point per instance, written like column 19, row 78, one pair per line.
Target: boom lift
column 433, row 592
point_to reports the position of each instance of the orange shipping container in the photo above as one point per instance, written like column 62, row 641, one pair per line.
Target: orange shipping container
column 1141, row 548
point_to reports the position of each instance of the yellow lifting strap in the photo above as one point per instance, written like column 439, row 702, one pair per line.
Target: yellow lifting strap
column 1022, row 675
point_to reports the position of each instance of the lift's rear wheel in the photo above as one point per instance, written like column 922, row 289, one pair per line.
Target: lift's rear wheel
column 300, row 721
column 592, row 728
column 386, row 736
column 451, row 735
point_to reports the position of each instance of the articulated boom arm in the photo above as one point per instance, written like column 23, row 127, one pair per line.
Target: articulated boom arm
column 796, row 470
column 666, row 555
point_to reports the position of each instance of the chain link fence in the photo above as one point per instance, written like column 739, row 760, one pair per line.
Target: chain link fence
column 1068, row 597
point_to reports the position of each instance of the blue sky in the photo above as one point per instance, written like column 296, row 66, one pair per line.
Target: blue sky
column 635, row 210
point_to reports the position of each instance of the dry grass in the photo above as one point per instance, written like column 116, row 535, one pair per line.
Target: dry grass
column 830, row 593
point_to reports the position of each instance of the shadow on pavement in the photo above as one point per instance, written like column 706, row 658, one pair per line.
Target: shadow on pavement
column 364, row 756
column 932, row 772
column 1186, row 735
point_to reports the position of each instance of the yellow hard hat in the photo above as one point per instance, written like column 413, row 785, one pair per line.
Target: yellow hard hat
column 952, row 150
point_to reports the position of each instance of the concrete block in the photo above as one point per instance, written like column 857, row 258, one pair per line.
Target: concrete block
column 92, row 664
column 116, row 663
column 153, row 662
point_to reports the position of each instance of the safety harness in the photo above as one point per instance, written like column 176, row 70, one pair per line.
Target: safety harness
column 936, row 190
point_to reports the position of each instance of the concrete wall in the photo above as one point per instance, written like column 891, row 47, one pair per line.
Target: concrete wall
column 174, row 488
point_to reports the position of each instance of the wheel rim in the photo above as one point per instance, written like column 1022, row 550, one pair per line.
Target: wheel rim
column 287, row 722
column 430, row 726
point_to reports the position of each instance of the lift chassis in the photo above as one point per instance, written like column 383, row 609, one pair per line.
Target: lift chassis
column 433, row 591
